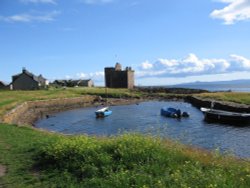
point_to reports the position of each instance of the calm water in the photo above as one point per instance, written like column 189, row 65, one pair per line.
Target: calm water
column 145, row 118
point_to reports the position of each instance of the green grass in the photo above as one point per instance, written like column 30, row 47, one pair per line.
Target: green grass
column 243, row 98
column 41, row 159
column 10, row 99
column 17, row 148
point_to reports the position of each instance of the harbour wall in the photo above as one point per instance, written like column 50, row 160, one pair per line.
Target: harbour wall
column 219, row 105
column 28, row 112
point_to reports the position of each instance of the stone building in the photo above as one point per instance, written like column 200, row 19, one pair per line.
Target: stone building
column 74, row 83
column 115, row 77
column 85, row 83
column 2, row 85
column 28, row 81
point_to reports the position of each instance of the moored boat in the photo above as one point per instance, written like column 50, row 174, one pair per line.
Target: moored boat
column 103, row 112
column 225, row 116
column 173, row 113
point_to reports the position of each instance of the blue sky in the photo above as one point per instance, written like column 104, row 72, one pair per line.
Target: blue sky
column 165, row 41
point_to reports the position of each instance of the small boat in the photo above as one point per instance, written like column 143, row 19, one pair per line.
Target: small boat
column 173, row 113
column 225, row 116
column 103, row 112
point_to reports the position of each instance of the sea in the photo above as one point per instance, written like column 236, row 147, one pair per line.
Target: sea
column 239, row 87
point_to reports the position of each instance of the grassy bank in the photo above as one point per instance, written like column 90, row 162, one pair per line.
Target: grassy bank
column 39, row 159
column 10, row 99
column 242, row 98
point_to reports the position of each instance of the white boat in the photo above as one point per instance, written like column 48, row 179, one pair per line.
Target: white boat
column 103, row 112
column 225, row 116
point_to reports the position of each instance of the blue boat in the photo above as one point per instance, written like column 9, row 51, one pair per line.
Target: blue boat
column 103, row 112
column 173, row 113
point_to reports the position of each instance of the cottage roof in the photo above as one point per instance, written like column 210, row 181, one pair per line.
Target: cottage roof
column 2, row 83
column 39, row 78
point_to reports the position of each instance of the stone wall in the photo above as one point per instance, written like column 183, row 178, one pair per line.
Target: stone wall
column 131, row 79
column 28, row 112
column 220, row 105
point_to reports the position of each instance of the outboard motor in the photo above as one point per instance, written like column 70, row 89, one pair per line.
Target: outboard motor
column 178, row 113
column 185, row 114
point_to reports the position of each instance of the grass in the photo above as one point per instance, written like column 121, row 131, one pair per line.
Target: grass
column 243, row 98
column 41, row 159
column 17, row 148
column 10, row 99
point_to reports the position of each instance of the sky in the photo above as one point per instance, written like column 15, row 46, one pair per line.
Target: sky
column 166, row 42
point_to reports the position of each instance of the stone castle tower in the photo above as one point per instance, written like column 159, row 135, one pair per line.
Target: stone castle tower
column 115, row 77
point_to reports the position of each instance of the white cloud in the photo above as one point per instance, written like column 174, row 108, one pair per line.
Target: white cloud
column 39, row 1
column 240, row 62
column 236, row 10
column 146, row 65
column 97, row 1
column 28, row 17
column 68, row 77
column 192, row 66
column 178, row 69
column 96, row 76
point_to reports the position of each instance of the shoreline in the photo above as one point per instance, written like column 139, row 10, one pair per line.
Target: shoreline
column 29, row 112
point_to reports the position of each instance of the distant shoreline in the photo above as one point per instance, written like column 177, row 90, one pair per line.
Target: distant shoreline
column 235, row 86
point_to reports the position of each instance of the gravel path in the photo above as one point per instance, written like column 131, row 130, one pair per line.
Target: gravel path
column 2, row 170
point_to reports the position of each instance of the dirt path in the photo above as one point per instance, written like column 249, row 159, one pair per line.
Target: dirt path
column 2, row 170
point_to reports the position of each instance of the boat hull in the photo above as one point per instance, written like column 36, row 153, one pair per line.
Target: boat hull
column 173, row 113
column 212, row 115
column 103, row 114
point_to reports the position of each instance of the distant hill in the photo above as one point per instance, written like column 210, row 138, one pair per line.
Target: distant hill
column 232, row 85
column 230, row 82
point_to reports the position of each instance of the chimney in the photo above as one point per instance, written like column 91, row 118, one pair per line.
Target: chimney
column 118, row 67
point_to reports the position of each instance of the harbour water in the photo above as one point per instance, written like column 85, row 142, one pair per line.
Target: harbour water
column 145, row 118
